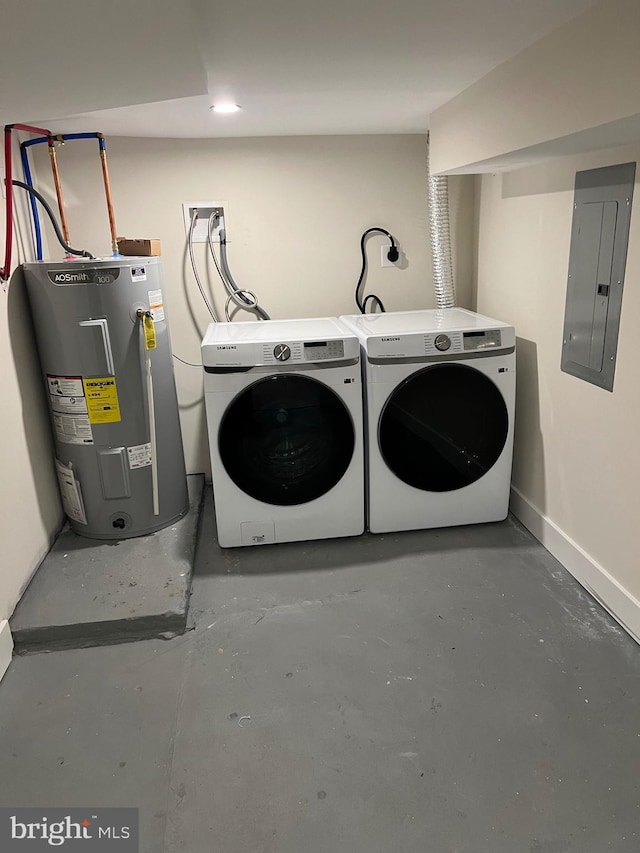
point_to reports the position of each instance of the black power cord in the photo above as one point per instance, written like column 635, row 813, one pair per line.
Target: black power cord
column 80, row 252
column 392, row 254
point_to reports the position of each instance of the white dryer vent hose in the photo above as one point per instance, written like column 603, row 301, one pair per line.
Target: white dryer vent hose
column 440, row 235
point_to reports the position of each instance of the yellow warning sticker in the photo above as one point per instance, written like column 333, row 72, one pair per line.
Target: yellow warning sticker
column 102, row 399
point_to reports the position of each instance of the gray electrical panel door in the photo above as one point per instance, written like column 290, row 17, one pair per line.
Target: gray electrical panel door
column 599, row 239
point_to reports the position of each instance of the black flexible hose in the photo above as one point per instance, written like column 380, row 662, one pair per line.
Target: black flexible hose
column 80, row 252
column 362, row 305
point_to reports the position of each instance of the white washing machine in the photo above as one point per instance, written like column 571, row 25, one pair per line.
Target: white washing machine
column 439, row 411
column 284, row 416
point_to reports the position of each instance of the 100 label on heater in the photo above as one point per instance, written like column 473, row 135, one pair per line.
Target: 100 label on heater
column 317, row 350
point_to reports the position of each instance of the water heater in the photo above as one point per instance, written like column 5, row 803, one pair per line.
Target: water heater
column 105, row 353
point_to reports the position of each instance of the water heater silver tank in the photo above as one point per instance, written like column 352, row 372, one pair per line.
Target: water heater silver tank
column 114, row 411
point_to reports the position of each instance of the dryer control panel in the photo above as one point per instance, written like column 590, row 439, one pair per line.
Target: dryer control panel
column 454, row 342
column 439, row 343
column 489, row 339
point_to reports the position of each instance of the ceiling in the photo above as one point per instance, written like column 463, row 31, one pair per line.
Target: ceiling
column 153, row 67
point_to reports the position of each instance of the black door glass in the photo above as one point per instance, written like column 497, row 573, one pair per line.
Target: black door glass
column 286, row 440
column 443, row 428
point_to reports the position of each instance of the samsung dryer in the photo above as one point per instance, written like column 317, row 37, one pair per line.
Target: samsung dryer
column 439, row 411
column 284, row 416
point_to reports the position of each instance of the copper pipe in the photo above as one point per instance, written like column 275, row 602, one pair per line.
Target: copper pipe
column 58, row 185
column 107, row 192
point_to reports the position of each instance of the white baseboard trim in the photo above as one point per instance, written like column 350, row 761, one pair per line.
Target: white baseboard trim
column 6, row 647
column 615, row 599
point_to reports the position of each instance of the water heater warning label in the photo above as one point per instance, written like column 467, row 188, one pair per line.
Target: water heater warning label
column 139, row 455
column 138, row 274
column 102, row 400
column 70, row 491
column 156, row 305
column 69, row 409
column 68, row 405
column 65, row 386
column 72, row 429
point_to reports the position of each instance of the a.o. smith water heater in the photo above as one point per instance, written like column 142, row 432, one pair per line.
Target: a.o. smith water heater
column 105, row 352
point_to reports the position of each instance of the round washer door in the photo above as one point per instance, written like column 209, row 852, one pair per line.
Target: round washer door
column 443, row 428
column 286, row 440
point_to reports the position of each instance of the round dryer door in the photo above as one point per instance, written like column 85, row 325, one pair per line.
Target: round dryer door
column 286, row 440
column 443, row 428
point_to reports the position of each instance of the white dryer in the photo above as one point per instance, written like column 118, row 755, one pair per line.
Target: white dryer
column 284, row 416
column 439, row 411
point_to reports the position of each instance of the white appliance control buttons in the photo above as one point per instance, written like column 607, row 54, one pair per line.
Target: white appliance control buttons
column 442, row 342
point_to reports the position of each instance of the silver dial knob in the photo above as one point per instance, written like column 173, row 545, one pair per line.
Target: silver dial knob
column 442, row 342
column 282, row 352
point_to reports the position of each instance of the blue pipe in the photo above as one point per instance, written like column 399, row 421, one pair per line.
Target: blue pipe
column 62, row 136
column 34, row 208
column 28, row 179
column 35, row 141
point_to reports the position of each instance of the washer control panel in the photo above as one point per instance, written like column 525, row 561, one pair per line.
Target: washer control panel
column 295, row 351
column 320, row 350
column 307, row 344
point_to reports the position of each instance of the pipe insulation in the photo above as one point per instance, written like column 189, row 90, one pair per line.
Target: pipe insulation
column 440, row 237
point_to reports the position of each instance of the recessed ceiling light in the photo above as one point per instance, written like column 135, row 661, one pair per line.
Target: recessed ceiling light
column 225, row 108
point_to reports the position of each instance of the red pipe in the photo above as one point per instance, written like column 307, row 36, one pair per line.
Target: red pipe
column 30, row 128
column 6, row 269
column 5, row 272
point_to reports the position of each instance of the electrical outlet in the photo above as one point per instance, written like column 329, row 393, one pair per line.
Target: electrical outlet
column 205, row 209
column 384, row 260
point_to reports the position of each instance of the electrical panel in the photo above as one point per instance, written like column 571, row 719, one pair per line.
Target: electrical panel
column 597, row 259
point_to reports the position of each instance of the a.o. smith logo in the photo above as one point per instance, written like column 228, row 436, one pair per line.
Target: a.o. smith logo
column 389, row 340
column 78, row 830
column 70, row 276
column 91, row 276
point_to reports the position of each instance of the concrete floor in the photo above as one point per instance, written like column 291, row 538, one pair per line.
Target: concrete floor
column 427, row 692
column 93, row 593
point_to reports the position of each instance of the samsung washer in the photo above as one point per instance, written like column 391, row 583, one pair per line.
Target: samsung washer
column 439, row 412
column 284, row 416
